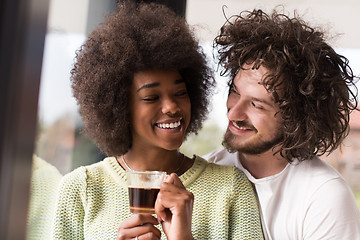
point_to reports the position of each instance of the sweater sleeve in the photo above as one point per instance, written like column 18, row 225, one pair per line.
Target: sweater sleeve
column 244, row 219
column 70, row 206
column 44, row 187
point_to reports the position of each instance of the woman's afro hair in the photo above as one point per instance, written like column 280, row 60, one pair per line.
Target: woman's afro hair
column 137, row 37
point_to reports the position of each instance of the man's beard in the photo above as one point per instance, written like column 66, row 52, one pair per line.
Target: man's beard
column 257, row 146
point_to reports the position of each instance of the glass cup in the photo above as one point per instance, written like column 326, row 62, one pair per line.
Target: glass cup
column 143, row 187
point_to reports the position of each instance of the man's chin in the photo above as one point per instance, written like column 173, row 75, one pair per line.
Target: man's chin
column 228, row 147
column 258, row 147
column 229, row 142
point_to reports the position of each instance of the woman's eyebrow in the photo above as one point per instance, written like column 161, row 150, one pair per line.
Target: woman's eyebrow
column 178, row 81
column 156, row 84
column 149, row 85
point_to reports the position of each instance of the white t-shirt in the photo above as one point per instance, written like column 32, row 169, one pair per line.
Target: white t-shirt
column 307, row 200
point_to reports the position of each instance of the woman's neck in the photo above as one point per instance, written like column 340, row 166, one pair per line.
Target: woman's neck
column 154, row 160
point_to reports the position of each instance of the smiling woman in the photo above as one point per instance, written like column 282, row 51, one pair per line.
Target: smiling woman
column 143, row 84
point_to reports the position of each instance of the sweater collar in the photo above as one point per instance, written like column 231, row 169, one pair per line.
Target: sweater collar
column 186, row 178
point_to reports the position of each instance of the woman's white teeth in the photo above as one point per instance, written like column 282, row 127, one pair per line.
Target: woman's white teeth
column 169, row 125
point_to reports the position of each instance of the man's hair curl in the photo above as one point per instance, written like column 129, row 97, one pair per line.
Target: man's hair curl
column 137, row 37
column 316, row 94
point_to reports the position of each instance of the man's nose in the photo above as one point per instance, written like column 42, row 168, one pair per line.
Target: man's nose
column 236, row 111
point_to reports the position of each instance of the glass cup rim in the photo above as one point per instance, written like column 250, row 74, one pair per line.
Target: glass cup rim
column 146, row 172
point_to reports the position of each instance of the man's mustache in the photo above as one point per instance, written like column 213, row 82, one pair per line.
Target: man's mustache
column 243, row 124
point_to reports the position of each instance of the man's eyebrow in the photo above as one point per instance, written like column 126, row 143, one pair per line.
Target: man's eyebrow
column 150, row 85
column 271, row 104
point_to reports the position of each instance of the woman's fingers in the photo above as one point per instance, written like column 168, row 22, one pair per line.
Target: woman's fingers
column 147, row 231
column 160, row 210
column 178, row 202
column 173, row 196
column 139, row 225
column 167, row 186
column 171, row 189
column 138, row 219
column 173, row 207
column 148, row 236
column 174, row 179
column 172, row 183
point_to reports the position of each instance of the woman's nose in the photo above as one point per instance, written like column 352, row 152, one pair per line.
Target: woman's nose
column 170, row 106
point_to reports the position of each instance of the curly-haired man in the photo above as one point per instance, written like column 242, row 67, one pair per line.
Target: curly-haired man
column 289, row 103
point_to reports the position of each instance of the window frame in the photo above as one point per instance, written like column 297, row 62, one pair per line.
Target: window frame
column 22, row 35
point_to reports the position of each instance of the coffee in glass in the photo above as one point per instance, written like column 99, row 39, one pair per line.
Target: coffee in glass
column 143, row 187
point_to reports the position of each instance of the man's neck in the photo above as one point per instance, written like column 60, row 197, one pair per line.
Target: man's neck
column 262, row 165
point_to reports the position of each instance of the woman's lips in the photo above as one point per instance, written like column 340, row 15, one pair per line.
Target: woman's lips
column 169, row 125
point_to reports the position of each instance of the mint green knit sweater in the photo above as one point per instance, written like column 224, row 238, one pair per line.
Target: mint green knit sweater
column 45, row 180
column 93, row 201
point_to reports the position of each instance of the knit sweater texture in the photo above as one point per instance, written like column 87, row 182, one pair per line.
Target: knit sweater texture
column 44, row 185
column 93, row 201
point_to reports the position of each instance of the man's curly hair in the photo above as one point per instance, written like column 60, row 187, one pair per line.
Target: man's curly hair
column 137, row 37
column 316, row 98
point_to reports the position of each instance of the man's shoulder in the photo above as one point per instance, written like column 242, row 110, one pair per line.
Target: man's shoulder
column 317, row 178
column 316, row 168
column 328, row 197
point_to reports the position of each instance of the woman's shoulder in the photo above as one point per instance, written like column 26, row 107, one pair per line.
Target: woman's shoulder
column 82, row 173
column 221, row 169
column 229, row 178
column 107, row 171
column 228, row 174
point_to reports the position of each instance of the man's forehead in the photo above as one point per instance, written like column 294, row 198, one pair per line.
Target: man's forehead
column 252, row 83
column 264, row 77
column 249, row 73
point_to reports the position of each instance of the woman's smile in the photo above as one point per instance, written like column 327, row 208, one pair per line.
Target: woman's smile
column 172, row 125
column 161, row 99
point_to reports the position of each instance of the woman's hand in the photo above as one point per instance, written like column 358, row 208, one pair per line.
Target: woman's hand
column 174, row 206
column 140, row 226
